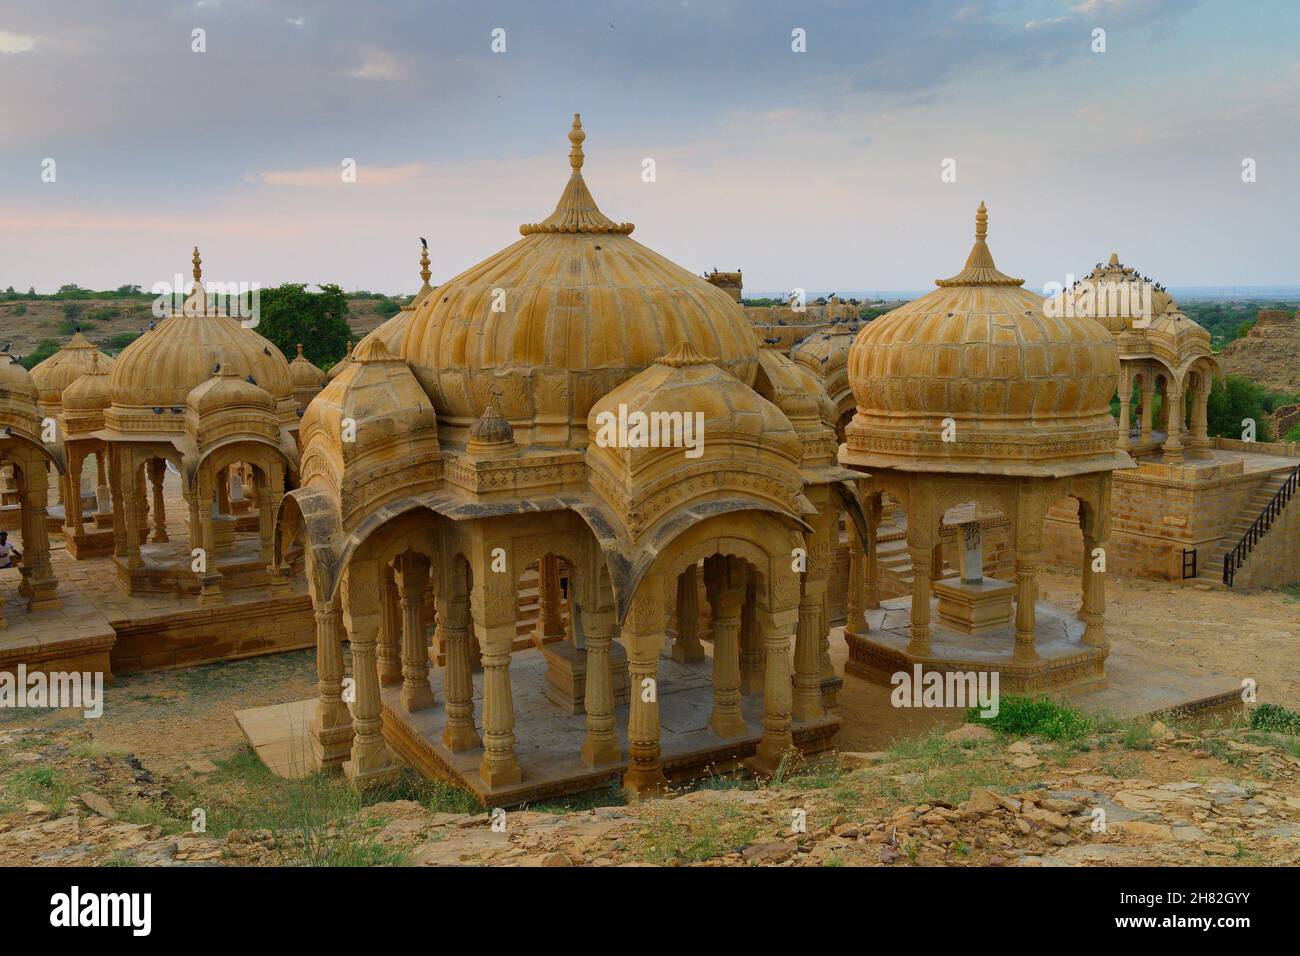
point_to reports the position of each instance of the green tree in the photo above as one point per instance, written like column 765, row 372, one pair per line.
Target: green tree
column 1232, row 401
column 319, row 320
column 44, row 350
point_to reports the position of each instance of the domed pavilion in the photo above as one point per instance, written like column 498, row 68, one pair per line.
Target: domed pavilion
column 575, row 400
column 971, row 398
column 22, row 447
column 1162, row 353
column 206, row 395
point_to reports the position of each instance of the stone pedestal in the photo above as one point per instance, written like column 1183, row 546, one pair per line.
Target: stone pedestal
column 974, row 608
column 566, row 675
column 223, row 532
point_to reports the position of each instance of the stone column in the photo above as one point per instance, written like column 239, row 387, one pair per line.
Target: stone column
column 39, row 576
column 223, row 491
column 494, row 626
column 72, row 496
column 1026, row 595
column 209, row 580
column 1174, row 413
column 413, row 579
column 459, row 733
column 1148, row 399
column 806, row 703
column 370, row 763
column 600, row 746
column 1093, row 610
column 922, row 558
column 1125, row 396
column 388, row 652
column 331, row 726
column 856, row 593
column 270, row 489
column 550, row 623
column 157, row 470
column 777, row 737
column 644, row 634
column 116, row 467
column 972, row 553
column 751, row 644
column 687, row 647
column 724, row 580
column 1199, row 445
column 130, row 496
column 100, row 476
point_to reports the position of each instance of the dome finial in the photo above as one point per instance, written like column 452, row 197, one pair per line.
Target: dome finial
column 981, row 222
column 425, row 274
column 198, row 266
column 576, row 136
column 300, row 350
column 1114, row 258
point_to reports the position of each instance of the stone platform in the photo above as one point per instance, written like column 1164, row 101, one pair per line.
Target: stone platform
column 548, row 740
column 1064, row 662
column 74, row 637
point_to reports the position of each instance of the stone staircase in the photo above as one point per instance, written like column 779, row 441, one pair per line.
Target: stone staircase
column 1209, row 565
column 892, row 559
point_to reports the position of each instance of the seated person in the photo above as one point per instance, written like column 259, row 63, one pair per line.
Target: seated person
column 9, row 555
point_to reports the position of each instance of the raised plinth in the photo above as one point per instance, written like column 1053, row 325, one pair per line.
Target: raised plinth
column 548, row 741
column 1063, row 661
column 974, row 608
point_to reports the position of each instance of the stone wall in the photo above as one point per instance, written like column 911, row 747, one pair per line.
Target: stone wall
column 1275, row 562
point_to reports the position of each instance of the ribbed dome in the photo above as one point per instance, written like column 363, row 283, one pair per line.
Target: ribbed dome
column 227, row 390
column 581, row 308
column 303, row 374
column 163, row 365
column 90, row 392
column 1116, row 296
column 65, row 366
column 17, row 390
column 1026, row 392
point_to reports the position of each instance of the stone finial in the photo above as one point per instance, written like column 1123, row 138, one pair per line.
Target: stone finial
column 981, row 222
column 491, row 431
column 425, row 273
column 576, row 136
column 1114, row 259
column 198, row 265
column 684, row 354
column 299, row 350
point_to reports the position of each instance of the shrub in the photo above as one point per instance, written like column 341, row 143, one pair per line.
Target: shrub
column 1275, row 719
column 1035, row 716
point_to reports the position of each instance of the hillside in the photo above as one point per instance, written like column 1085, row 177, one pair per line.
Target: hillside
column 1269, row 355
column 111, row 322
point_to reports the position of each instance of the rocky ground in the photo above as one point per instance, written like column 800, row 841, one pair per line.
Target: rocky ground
column 1129, row 794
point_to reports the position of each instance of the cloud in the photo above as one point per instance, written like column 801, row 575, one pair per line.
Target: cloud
column 379, row 64
column 16, row 42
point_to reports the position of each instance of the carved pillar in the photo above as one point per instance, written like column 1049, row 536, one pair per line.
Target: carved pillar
column 550, row 623
column 687, row 647
column 331, row 726
column 459, row 733
column 370, row 763
column 116, row 465
column 413, row 579
column 1174, row 414
column 600, row 746
column 1026, row 595
column 1148, row 399
column 72, row 496
column 157, row 470
column 209, row 578
column 724, row 580
column 644, row 634
column 130, row 496
column 922, row 558
column 1093, row 610
column 223, row 491
column 751, row 644
column 269, row 491
column 778, row 740
column 1125, row 396
column 494, row 625
column 806, row 703
column 1198, row 446
column 101, row 478
column 388, row 652
column 855, row 596
column 39, row 576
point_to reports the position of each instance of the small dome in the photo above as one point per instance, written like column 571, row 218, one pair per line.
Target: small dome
column 1025, row 393
column 227, row 390
column 337, row 368
column 1116, row 296
column 65, row 366
column 303, row 374
column 90, row 392
column 181, row 351
column 570, row 311
column 17, row 390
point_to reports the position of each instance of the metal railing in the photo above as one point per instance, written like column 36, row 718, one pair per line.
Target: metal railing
column 1234, row 559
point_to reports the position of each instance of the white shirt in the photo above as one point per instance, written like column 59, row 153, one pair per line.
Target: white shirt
column 6, row 555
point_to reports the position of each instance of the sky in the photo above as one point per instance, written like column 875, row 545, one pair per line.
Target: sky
column 820, row 169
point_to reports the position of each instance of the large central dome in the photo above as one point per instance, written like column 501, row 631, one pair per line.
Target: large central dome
column 975, row 378
column 562, row 317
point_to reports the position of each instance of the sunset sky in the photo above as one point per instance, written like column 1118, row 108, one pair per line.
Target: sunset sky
column 818, row 169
